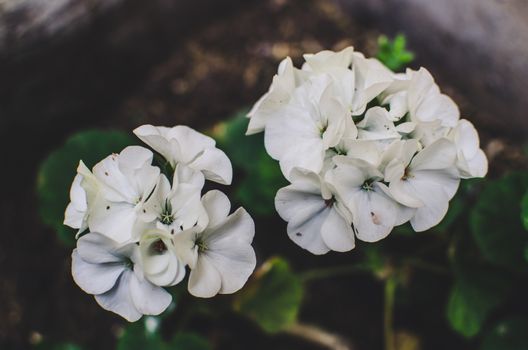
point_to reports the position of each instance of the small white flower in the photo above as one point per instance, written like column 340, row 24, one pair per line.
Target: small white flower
column 426, row 180
column 183, row 145
column 221, row 257
column 177, row 207
column 110, row 271
column 123, row 181
column 374, row 211
column 471, row 160
column 300, row 133
column 317, row 220
column 159, row 261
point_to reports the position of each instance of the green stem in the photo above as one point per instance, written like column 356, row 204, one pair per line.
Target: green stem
column 333, row 271
column 388, row 314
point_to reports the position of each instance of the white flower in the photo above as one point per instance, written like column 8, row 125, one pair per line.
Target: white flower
column 124, row 181
column 317, row 220
column 360, row 186
column 160, row 263
column 300, row 133
column 177, row 207
column 221, row 257
column 426, row 180
column 111, row 272
column 471, row 161
column 183, row 145
column 284, row 82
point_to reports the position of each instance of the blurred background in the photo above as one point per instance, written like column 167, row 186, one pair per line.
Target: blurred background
column 76, row 76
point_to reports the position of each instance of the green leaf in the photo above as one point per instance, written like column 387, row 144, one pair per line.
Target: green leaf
column 188, row 341
column 393, row 53
column 258, row 175
column 58, row 170
column 524, row 210
column 137, row 337
column 273, row 297
column 510, row 334
column 495, row 224
column 477, row 292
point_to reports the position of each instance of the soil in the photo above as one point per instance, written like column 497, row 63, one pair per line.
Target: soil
column 218, row 68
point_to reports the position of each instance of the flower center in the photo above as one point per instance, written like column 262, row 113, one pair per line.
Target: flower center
column 330, row 202
column 200, row 243
column 367, row 186
column 158, row 247
column 166, row 216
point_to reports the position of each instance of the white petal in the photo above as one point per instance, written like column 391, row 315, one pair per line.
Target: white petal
column 215, row 165
column 478, row 165
column 229, row 250
column 337, row 233
column 191, row 142
column 148, row 298
column 304, row 228
column 205, row 281
column 377, row 126
column 95, row 278
column 153, row 207
column 217, row 206
column 114, row 220
column 155, row 138
column 290, row 200
column 119, row 300
column 97, row 249
column 73, row 217
column 439, row 155
column 435, row 198
column 185, row 246
column 374, row 215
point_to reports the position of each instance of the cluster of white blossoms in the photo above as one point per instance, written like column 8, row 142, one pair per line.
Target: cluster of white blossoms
column 365, row 149
column 145, row 226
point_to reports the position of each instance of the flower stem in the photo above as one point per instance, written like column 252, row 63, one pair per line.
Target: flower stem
column 333, row 271
column 388, row 313
column 319, row 336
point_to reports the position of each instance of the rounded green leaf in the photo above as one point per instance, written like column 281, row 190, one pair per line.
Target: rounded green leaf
column 57, row 171
column 273, row 297
column 495, row 223
column 477, row 292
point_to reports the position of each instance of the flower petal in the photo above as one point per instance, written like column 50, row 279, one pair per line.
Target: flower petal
column 337, row 233
column 205, row 281
column 215, row 165
column 119, row 300
column 95, row 278
column 217, row 206
column 148, row 298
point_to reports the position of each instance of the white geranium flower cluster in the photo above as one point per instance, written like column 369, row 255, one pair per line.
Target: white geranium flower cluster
column 365, row 149
column 146, row 225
